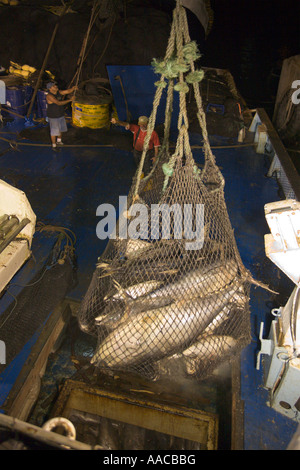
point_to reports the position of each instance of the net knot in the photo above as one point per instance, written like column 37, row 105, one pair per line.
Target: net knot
column 182, row 87
column 195, row 77
column 191, row 52
column 167, row 169
column 160, row 84
column 170, row 68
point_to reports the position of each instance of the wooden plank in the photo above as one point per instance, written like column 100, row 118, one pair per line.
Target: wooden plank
column 237, row 423
column 46, row 59
column 38, row 434
column 26, row 388
column 74, row 306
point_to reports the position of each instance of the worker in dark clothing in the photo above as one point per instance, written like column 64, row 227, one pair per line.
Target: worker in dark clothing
column 56, row 112
column 139, row 134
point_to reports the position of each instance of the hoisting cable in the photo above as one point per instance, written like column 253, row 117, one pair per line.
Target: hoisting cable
column 65, row 8
column 160, row 86
column 82, row 57
column 106, row 45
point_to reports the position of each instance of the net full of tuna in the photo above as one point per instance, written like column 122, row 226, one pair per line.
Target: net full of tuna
column 155, row 306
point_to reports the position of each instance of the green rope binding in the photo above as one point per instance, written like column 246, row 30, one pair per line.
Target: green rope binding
column 195, row 77
column 178, row 65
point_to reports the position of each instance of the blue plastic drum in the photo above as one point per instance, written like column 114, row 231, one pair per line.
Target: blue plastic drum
column 17, row 100
column 41, row 108
column 28, row 97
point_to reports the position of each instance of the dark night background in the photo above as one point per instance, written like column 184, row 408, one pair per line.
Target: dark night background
column 250, row 38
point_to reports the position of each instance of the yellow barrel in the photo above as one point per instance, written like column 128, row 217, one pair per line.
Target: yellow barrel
column 89, row 115
column 114, row 113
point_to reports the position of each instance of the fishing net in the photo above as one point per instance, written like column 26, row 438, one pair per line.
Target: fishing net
column 29, row 311
column 170, row 293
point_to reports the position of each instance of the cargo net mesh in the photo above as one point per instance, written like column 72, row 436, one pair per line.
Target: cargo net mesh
column 159, row 304
column 28, row 312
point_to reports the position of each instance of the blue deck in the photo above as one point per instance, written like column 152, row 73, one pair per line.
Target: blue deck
column 66, row 188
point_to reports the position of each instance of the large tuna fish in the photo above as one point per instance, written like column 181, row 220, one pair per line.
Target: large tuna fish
column 207, row 348
column 196, row 283
column 199, row 282
column 160, row 332
column 135, row 291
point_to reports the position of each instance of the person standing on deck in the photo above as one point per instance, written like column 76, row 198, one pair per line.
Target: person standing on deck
column 139, row 134
column 56, row 111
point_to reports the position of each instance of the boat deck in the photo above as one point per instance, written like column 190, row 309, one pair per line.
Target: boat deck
column 65, row 189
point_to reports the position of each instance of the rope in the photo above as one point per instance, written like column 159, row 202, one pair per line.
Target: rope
column 151, row 123
column 183, row 123
column 95, row 10
column 165, row 144
column 150, row 128
column 209, row 157
column 106, row 45
column 14, row 144
column 180, row 56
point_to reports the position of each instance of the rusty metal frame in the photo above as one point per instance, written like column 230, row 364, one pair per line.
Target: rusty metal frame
column 178, row 421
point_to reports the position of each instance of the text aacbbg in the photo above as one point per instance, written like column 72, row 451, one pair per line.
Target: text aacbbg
column 171, row 459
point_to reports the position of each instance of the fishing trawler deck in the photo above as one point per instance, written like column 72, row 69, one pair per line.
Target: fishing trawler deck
column 65, row 189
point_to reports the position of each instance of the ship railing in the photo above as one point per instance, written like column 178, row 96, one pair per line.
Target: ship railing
column 268, row 142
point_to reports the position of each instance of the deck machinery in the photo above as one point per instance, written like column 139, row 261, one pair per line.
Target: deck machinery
column 282, row 348
column 17, row 226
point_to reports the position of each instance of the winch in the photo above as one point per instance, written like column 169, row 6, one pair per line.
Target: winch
column 282, row 367
column 17, row 226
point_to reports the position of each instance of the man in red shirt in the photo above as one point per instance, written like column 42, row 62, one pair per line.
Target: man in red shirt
column 139, row 134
